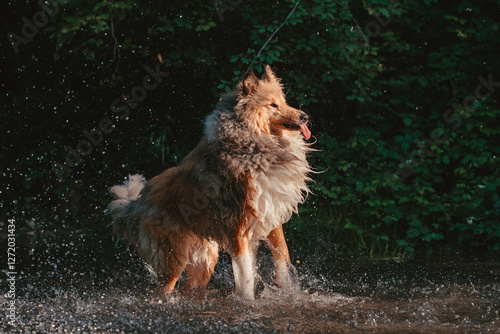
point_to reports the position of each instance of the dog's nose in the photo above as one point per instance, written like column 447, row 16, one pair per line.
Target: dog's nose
column 304, row 118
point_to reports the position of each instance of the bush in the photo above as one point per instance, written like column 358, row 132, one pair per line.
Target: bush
column 404, row 98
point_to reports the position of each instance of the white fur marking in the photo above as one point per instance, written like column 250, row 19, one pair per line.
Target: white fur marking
column 283, row 277
column 279, row 191
column 126, row 193
column 243, row 275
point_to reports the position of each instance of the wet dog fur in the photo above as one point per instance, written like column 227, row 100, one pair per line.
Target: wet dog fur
column 238, row 186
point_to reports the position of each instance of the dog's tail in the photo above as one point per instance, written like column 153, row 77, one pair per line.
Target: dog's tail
column 125, row 194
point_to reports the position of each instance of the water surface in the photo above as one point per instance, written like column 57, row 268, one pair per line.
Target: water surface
column 79, row 282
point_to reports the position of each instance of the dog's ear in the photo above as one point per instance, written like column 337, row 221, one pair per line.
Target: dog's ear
column 250, row 83
column 269, row 74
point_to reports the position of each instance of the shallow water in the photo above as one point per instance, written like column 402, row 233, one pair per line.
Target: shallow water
column 80, row 283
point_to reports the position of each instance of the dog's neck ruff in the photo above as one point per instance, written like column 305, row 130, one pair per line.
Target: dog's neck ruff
column 275, row 168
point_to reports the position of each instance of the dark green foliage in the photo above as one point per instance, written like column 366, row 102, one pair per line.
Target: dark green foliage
column 403, row 96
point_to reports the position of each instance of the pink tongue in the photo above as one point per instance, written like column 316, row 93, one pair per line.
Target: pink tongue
column 305, row 131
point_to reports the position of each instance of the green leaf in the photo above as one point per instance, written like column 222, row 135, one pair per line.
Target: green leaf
column 433, row 236
column 412, row 233
column 401, row 242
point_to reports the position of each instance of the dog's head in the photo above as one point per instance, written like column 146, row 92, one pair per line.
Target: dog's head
column 261, row 103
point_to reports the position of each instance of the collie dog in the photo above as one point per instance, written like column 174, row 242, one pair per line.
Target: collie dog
column 238, row 186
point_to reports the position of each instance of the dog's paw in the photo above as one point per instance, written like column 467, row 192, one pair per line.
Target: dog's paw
column 286, row 276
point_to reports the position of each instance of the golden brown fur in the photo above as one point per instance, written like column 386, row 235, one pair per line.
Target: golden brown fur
column 238, row 186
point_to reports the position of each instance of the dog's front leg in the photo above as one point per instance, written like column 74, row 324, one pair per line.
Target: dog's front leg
column 277, row 244
column 242, row 258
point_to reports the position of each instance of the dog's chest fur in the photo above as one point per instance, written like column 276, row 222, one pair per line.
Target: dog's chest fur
column 275, row 169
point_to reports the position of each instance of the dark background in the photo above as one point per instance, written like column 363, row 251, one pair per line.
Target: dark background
column 407, row 170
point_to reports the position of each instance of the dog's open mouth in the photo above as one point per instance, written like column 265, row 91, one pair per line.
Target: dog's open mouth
column 302, row 127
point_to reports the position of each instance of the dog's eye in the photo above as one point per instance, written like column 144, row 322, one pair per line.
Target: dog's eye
column 274, row 105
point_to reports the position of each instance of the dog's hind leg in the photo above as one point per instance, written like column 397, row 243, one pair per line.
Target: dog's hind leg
column 173, row 261
column 174, row 274
column 279, row 249
column 199, row 275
